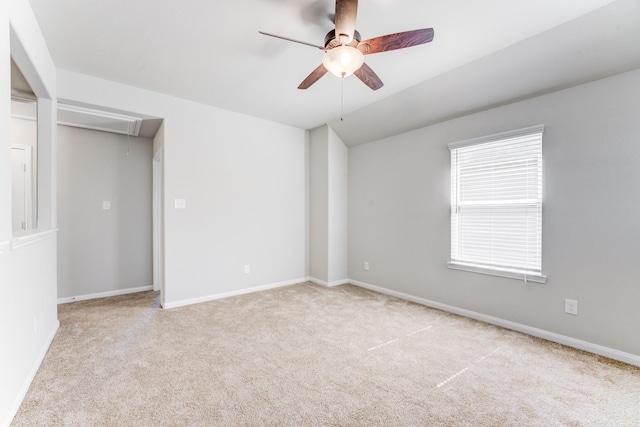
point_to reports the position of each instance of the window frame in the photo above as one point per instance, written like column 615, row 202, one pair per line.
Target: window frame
column 458, row 264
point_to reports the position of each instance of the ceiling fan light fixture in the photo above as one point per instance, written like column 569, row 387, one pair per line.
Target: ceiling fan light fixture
column 342, row 61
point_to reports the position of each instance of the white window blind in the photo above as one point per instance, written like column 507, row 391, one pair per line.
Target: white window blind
column 496, row 197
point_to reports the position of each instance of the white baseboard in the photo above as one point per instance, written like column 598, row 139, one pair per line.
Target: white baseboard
column 329, row 284
column 32, row 374
column 611, row 353
column 66, row 300
column 181, row 303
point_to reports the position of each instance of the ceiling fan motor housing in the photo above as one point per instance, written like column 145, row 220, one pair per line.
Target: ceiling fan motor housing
column 331, row 41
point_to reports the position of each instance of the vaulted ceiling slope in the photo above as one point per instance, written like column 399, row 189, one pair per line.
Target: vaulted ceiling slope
column 594, row 46
column 483, row 54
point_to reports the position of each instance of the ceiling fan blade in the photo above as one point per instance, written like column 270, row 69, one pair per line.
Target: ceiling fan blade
column 313, row 77
column 396, row 41
column 346, row 12
column 292, row 40
column 369, row 77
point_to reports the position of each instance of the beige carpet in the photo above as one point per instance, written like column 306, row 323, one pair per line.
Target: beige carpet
column 305, row 355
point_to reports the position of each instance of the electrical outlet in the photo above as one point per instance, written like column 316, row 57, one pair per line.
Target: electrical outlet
column 247, row 269
column 366, row 265
column 571, row 306
column 180, row 203
column 106, row 205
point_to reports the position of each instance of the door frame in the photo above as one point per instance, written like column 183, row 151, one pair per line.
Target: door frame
column 158, row 224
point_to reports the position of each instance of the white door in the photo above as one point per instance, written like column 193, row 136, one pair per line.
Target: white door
column 20, row 187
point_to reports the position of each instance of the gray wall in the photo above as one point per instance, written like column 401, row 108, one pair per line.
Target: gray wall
column 244, row 180
column 103, row 250
column 319, row 204
column 328, row 213
column 338, row 164
column 399, row 214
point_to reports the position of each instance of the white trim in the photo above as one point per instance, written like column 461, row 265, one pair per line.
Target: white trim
column 157, row 221
column 328, row 284
column 525, row 277
column 23, row 117
column 133, row 124
column 497, row 136
column 632, row 359
column 181, row 303
column 85, row 297
column 5, row 246
column 31, row 375
column 30, row 239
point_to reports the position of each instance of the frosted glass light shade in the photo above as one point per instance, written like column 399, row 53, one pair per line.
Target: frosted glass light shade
column 343, row 61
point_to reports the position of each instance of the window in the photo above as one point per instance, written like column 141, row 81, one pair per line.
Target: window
column 496, row 204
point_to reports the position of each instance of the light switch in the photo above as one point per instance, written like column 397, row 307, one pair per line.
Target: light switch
column 106, row 205
column 180, row 203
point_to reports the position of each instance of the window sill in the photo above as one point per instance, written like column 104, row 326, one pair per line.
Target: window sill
column 23, row 240
column 537, row 278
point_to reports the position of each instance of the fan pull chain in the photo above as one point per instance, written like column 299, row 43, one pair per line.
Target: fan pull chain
column 342, row 98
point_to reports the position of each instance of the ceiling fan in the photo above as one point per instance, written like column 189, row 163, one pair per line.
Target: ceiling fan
column 344, row 50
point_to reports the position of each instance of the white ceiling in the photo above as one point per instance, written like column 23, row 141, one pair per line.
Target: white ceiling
column 484, row 53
